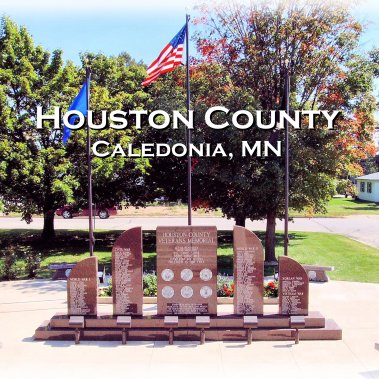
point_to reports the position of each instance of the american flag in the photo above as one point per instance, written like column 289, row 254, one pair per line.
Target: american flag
column 168, row 59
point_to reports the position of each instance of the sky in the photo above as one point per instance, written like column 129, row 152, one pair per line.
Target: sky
column 140, row 27
column 107, row 26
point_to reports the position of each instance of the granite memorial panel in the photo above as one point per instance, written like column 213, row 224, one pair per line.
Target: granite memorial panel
column 248, row 272
column 127, row 273
column 187, row 270
column 82, row 288
column 293, row 287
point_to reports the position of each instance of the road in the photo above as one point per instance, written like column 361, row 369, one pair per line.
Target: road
column 361, row 228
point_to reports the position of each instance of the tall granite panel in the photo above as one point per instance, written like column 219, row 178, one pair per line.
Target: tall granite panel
column 127, row 273
column 82, row 288
column 293, row 287
column 248, row 272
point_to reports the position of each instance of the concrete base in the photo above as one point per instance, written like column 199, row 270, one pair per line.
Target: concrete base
column 25, row 303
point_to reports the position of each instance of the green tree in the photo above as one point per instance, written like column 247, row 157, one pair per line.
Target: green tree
column 254, row 46
column 167, row 176
column 33, row 162
column 37, row 173
column 115, row 85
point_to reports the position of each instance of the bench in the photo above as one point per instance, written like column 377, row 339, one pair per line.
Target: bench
column 316, row 273
column 101, row 273
column 63, row 270
column 274, row 265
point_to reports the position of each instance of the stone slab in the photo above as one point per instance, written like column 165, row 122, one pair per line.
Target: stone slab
column 297, row 322
column 171, row 321
column 125, row 321
column 76, row 321
column 203, row 321
column 250, row 321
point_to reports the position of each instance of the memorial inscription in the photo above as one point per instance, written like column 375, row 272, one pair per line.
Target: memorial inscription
column 127, row 273
column 82, row 288
column 248, row 272
column 293, row 287
column 187, row 270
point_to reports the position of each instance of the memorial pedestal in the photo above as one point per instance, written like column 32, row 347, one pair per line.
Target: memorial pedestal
column 223, row 327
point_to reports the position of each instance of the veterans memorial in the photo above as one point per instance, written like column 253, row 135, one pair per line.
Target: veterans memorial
column 187, row 306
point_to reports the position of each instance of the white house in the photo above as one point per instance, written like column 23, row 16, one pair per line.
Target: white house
column 368, row 187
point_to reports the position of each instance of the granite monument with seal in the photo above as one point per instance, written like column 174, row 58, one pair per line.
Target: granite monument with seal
column 187, row 270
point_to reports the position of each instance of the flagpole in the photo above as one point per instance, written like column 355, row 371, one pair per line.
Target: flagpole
column 286, row 161
column 89, row 165
column 188, row 131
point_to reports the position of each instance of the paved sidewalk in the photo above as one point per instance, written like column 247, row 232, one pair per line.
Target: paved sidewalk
column 25, row 304
column 361, row 228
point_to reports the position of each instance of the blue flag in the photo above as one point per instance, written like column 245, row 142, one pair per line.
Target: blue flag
column 79, row 104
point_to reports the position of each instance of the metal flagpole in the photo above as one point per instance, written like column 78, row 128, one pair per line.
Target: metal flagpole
column 286, row 161
column 188, row 131
column 89, row 175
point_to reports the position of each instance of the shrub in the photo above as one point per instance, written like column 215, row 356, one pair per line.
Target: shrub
column 8, row 271
column 346, row 187
column 33, row 261
column 225, row 286
column 107, row 291
column 150, row 285
column 271, row 289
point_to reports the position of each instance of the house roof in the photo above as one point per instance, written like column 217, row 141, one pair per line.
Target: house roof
column 374, row 176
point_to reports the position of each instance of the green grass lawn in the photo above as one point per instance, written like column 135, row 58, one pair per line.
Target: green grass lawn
column 353, row 261
column 337, row 207
column 340, row 207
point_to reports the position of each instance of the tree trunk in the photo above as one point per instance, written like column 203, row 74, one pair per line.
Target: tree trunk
column 240, row 221
column 48, row 231
column 270, row 237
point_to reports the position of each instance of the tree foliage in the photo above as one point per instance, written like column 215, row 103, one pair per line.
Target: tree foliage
column 115, row 85
column 32, row 173
column 37, row 173
column 249, row 48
